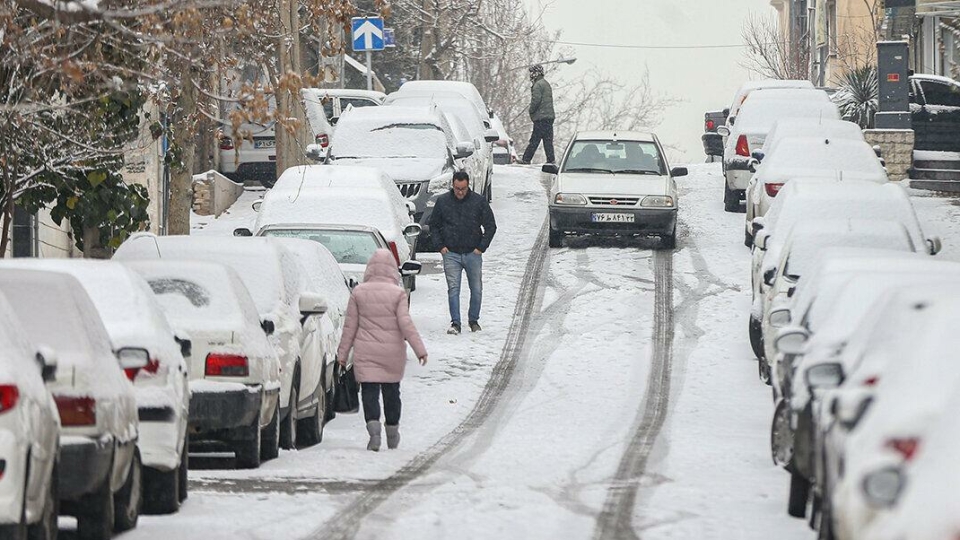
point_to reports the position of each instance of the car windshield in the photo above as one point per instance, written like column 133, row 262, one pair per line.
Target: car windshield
column 347, row 247
column 396, row 140
column 612, row 157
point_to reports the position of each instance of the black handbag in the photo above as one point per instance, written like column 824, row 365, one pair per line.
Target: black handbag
column 347, row 394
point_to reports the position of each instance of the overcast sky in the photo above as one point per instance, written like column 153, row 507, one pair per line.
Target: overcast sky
column 704, row 79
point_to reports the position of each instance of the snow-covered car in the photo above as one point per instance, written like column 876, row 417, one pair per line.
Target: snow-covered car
column 504, row 151
column 465, row 89
column 802, row 158
column 321, row 274
column 334, row 101
column 415, row 146
column 475, row 164
column 753, row 122
column 338, row 205
column 272, row 275
column 799, row 254
column 819, row 200
column 250, row 153
column 99, row 478
column 234, row 372
column 912, row 393
column 163, row 398
column 29, row 434
column 766, row 84
column 611, row 182
column 478, row 130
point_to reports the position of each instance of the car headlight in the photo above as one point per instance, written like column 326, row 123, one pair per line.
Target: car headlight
column 657, row 201
column 570, row 199
column 883, row 486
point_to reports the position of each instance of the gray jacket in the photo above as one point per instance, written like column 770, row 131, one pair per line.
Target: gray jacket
column 541, row 100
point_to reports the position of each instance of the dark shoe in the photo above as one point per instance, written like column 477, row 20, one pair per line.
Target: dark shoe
column 454, row 328
column 474, row 326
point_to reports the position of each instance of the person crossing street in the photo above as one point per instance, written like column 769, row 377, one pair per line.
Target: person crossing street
column 542, row 115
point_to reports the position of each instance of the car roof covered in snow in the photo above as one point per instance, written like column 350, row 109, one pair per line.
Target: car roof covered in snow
column 614, row 136
column 807, row 156
column 788, row 94
column 750, row 86
column 465, row 89
column 808, row 238
column 323, row 273
column 811, row 127
column 359, row 134
column 758, row 116
column 341, row 205
column 455, row 104
column 18, row 364
column 308, row 176
column 346, row 92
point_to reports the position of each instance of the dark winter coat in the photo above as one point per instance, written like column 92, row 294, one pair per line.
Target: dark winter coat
column 462, row 225
column 541, row 100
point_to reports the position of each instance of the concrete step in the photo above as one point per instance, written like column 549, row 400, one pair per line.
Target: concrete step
column 950, row 186
column 935, row 174
column 944, row 164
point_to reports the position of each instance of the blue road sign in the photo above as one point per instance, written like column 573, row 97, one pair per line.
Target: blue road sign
column 367, row 34
column 388, row 38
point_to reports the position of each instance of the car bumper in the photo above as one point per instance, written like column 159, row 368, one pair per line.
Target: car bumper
column 84, row 465
column 712, row 144
column 225, row 415
column 737, row 174
column 645, row 220
column 159, row 443
column 256, row 171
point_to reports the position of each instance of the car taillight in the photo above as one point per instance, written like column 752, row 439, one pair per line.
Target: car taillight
column 773, row 189
column 743, row 149
column 710, row 125
column 226, row 365
column 871, row 381
column 226, row 143
column 153, row 365
column 323, row 140
column 396, row 253
column 9, row 395
column 905, row 447
column 77, row 411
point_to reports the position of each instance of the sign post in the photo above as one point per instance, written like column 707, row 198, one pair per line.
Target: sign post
column 368, row 37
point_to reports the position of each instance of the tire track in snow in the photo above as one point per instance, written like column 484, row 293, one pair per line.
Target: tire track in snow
column 616, row 519
column 346, row 523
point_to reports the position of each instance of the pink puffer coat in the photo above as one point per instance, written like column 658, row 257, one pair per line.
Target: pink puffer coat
column 378, row 324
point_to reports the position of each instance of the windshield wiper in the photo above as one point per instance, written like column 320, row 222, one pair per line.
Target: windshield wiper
column 637, row 171
column 588, row 169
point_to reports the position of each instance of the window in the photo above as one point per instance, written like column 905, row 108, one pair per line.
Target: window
column 936, row 93
column 356, row 102
column 627, row 157
column 347, row 247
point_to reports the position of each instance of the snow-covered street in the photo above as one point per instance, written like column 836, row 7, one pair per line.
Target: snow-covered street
column 611, row 394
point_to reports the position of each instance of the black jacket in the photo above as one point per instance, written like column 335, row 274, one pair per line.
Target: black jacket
column 462, row 225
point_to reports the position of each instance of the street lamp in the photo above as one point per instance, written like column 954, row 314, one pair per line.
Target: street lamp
column 567, row 61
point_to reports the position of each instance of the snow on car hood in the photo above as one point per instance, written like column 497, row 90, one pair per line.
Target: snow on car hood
column 612, row 184
column 401, row 169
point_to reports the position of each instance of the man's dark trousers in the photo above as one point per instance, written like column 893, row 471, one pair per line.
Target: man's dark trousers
column 542, row 131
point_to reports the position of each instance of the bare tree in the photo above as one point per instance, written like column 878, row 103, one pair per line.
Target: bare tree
column 770, row 53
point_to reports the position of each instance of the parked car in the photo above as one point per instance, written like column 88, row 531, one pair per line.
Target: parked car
column 235, row 388
column 99, row 478
column 767, row 84
column 754, row 121
column 415, row 146
column 465, row 89
column 504, row 150
column 30, row 431
column 613, row 183
column 801, row 158
column 163, row 398
column 713, row 141
column 288, row 313
column 334, row 101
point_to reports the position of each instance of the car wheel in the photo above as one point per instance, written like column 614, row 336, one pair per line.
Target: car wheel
column 270, row 443
column 756, row 338
column 311, row 428
column 161, row 490
column 330, row 395
column 288, row 427
column 556, row 238
column 731, row 199
column 747, row 239
column 248, row 452
column 781, row 437
column 799, row 493
column 46, row 528
column 184, row 467
column 95, row 520
column 129, row 499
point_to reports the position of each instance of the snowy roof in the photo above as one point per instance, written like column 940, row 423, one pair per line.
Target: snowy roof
column 465, row 89
column 788, row 94
column 308, row 176
column 937, row 78
column 758, row 116
column 455, row 104
column 750, row 86
column 418, row 132
column 808, row 238
column 18, row 363
column 841, row 158
column 346, row 92
column 613, row 136
column 340, row 205
column 807, row 127
column 321, row 269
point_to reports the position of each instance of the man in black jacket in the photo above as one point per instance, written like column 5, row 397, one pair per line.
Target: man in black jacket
column 463, row 226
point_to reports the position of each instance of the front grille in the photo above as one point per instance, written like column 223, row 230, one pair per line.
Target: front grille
column 410, row 190
column 614, row 201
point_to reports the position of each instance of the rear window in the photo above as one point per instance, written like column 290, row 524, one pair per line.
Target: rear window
column 355, row 140
column 347, row 247
column 626, row 157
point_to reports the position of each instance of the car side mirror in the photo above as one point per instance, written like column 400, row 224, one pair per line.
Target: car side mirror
column 768, row 276
column 412, row 230
column 186, row 346
column 724, row 130
column 792, row 339
column 133, row 358
column 825, row 375
column 268, row 327
column 47, row 359
column 752, row 165
column 256, row 205
column 314, row 152
column 550, row 168
column 491, row 135
column 312, row 304
column 758, row 155
column 411, row 268
column 779, row 317
column 934, row 245
column 678, row 171
column 464, row 150
column 242, row 231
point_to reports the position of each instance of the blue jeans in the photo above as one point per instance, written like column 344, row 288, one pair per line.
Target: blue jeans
column 453, row 266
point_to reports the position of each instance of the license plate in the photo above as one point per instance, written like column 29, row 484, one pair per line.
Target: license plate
column 608, row 217
column 266, row 143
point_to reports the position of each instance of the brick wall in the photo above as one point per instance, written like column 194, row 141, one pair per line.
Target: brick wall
column 896, row 146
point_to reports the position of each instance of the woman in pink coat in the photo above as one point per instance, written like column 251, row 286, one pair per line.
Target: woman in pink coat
column 378, row 327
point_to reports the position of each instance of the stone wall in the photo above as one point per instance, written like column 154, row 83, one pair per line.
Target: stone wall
column 896, row 146
column 213, row 193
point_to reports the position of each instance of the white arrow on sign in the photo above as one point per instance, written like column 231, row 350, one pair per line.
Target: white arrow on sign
column 368, row 31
